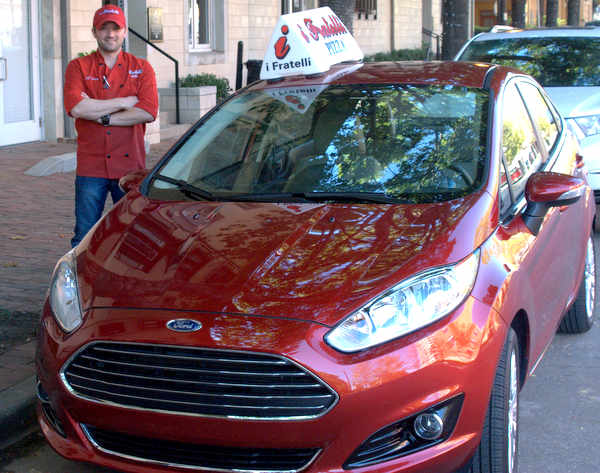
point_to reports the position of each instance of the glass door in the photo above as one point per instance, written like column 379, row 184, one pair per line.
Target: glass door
column 20, row 120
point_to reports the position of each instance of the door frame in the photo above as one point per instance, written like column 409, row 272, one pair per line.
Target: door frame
column 27, row 130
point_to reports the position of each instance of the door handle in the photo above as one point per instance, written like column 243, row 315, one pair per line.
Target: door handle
column 3, row 68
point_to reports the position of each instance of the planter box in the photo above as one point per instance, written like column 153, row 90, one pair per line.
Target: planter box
column 193, row 103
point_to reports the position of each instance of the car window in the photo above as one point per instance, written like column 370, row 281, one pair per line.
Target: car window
column 420, row 143
column 541, row 114
column 519, row 143
column 553, row 62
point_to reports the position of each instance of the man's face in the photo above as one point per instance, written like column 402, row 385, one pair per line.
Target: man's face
column 109, row 37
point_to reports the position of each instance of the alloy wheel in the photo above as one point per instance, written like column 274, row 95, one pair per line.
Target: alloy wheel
column 513, row 412
column 590, row 280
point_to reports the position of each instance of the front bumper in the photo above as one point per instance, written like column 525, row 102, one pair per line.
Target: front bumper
column 453, row 357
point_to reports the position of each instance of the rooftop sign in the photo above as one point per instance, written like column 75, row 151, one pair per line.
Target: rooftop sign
column 308, row 42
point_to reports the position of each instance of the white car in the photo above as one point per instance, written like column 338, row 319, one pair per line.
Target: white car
column 566, row 61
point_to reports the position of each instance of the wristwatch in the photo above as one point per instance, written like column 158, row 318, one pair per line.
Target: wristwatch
column 105, row 119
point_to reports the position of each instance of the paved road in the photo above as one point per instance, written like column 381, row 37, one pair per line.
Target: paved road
column 560, row 413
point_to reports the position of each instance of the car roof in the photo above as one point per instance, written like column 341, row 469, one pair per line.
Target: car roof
column 407, row 72
column 557, row 32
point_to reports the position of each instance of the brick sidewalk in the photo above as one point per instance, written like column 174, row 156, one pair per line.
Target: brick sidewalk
column 36, row 224
column 36, row 221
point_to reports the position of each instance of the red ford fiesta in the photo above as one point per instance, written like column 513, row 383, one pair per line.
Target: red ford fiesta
column 355, row 269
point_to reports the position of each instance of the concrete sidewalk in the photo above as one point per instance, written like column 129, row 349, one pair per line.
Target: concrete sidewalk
column 36, row 225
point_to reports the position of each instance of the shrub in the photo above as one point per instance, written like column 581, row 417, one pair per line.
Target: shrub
column 199, row 80
column 417, row 54
column 481, row 29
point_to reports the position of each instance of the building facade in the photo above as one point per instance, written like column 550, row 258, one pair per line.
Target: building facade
column 486, row 12
column 39, row 37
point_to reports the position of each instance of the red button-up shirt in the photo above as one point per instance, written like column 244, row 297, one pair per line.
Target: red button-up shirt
column 110, row 151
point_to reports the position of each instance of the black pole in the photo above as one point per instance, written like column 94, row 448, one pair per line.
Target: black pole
column 176, row 70
column 238, row 74
column 177, row 121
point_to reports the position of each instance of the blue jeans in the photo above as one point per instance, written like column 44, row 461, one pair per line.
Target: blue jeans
column 90, row 198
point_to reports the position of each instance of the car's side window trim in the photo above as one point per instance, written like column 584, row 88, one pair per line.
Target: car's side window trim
column 543, row 147
column 518, row 201
column 506, row 212
column 506, row 194
column 555, row 115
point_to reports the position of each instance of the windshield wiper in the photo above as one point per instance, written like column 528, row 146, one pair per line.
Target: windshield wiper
column 186, row 188
column 377, row 197
column 495, row 57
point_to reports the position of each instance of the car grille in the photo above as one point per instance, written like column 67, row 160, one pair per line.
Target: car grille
column 188, row 455
column 197, row 381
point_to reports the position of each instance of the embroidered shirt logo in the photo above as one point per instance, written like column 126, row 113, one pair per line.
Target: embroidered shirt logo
column 91, row 78
column 106, row 11
column 135, row 73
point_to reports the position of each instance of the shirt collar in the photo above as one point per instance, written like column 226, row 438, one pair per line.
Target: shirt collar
column 119, row 62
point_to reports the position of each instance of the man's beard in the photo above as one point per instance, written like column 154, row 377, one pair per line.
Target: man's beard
column 111, row 47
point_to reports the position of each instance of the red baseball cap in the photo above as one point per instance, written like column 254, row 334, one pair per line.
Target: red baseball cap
column 109, row 13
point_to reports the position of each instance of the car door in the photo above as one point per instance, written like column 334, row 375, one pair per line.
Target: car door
column 533, row 140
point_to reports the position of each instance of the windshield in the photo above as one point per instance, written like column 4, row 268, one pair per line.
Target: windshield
column 553, row 62
column 389, row 144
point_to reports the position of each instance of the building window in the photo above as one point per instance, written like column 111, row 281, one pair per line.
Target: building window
column 366, row 8
column 200, row 24
column 292, row 6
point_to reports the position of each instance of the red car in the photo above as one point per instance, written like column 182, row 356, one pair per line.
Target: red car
column 354, row 270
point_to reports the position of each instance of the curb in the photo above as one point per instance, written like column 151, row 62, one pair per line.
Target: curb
column 17, row 412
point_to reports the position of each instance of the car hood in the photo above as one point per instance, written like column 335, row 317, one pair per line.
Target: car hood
column 302, row 261
column 575, row 101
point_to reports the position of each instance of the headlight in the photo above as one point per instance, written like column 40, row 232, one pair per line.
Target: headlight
column 64, row 293
column 589, row 125
column 411, row 305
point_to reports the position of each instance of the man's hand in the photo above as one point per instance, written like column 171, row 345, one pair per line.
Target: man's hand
column 131, row 116
column 129, row 102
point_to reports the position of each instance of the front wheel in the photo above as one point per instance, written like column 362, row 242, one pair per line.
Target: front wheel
column 497, row 451
column 580, row 317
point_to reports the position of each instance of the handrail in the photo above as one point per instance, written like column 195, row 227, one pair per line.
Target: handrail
column 176, row 70
column 437, row 38
column 433, row 34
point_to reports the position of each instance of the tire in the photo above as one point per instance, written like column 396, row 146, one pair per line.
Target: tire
column 497, row 451
column 580, row 317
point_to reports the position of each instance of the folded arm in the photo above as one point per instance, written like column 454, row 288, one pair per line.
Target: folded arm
column 131, row 116
column 93, row 109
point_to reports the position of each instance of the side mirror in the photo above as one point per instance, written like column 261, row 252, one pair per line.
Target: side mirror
column 133, row 179
column 549, row 189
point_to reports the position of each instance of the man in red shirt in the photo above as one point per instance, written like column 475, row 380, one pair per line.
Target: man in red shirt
column 112, row 95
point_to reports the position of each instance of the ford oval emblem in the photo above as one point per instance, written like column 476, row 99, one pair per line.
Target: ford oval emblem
column 184, row 325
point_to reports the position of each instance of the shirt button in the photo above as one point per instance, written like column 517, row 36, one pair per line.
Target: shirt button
column 108, row 156
column 126, row 155
column 108, row 132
